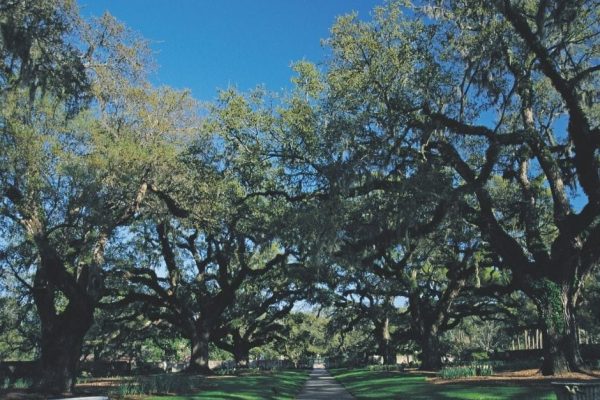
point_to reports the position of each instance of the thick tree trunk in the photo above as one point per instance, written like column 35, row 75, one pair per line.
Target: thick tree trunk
column 62, row 335
column 241, row 354
column 200, row 351
column 63, row 331
column 60, row 357
column 431, row 359
column 62, row 339
column 556, row 305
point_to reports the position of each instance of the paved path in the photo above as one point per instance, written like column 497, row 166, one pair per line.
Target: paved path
column 321, row 385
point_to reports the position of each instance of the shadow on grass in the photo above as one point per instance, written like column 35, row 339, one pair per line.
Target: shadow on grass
column 365, row 384
column 280, row 385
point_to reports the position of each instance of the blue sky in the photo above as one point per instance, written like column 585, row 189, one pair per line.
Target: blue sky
column 204, row 45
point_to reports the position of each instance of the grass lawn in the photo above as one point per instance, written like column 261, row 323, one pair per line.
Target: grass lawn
column 365, row 384
column 264, row 386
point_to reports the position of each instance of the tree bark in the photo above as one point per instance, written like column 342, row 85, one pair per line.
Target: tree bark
column 556, row 306
column 241, row 354
column 200, row 352
column 431, row 359
column 386, row 349
column 61, row 343
column 62, row 332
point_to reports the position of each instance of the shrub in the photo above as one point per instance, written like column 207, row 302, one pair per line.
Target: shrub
column 128, row 389
column 385, row 368
column 466, row 371
column 156, row 384
column 515, row 365
column 480, row 356
column 225, row 371
column 256, row 371
column 17, row 384
column 595, row 364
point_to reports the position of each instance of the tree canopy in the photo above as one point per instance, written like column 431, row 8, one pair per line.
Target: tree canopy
column 442, row 166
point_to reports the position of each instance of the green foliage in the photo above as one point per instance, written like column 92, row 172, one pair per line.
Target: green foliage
column 349, row 347
column 587, row 313
column 38, row 47
column 258, row 315
column 217, row 353
column 466, row 371
column 306, row 338
column 76, row 173
column 126, row 334
column 441, row 151
column 308, row 79
column 157, row 384
column 387, row 368
column 515, row 365
column 19, row 325
column 225, row 371
column 480, row 356
column 17, row 384
column 245, row 371
column 550, row 298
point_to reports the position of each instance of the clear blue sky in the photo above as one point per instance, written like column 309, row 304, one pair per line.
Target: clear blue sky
column 204, row 45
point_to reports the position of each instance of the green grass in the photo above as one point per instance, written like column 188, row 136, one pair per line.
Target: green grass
column 365, row 384
column 265, row 386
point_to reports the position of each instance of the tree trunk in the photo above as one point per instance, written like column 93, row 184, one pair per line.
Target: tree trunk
column 62, row 334
column 60, row 357
column 62, row 339
column 63, row 331
column 241, row 354
column 389, row 356
column 199, row 357
column 556, row 305
column 431, row 359
column 385, row 345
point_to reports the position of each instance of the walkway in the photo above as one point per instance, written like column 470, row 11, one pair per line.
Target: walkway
column 321, row 386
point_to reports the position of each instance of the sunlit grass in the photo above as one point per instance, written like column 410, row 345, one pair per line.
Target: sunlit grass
column 365, row 384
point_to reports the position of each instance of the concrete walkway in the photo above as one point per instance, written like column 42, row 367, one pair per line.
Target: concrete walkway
column 321, row 385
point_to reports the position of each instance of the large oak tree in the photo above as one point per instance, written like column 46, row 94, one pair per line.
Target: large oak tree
column 84, row 140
